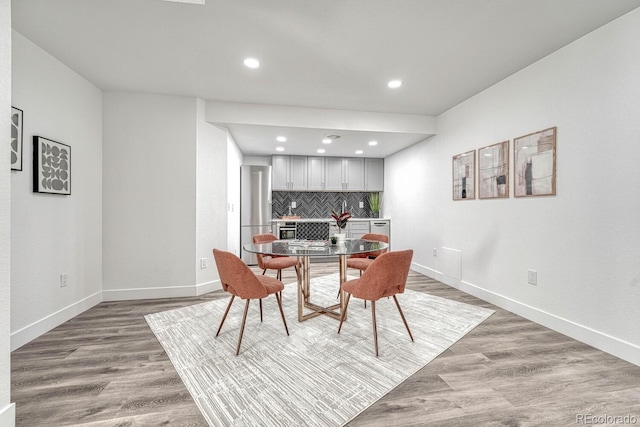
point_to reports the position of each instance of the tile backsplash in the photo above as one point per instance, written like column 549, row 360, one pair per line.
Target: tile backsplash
column 319, row 204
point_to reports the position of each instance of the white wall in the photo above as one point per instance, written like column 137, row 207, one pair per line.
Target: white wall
column 211, row 194
column 149, row 196
column 583, row 242
column 7, row 410
column 54, row 234
column 234, row 161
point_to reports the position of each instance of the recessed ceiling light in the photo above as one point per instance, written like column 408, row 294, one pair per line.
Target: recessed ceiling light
column 321, row 150
column 394, row 84
column 279, row 148
column 359, row 151
column 188, row 1
column 373, row 143
column 252, row 63
column 326, row 141
column 281, row 139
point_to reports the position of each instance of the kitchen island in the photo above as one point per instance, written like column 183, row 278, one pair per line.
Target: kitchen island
column 323, row 228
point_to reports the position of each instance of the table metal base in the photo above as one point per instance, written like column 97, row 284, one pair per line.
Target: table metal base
column 304, row 291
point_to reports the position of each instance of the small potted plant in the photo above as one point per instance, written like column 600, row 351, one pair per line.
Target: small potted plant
column 374, row 204
column 341, row 222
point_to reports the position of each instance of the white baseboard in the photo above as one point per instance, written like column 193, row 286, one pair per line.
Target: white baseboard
column 160, row 292
column 607, row 343
column 205, row 288
column 8, row 415
column 34, row 330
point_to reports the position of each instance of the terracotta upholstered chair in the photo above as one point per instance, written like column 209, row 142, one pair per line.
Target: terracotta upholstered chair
column 238, row 279
column 267, row 262
column 362, row 261
column 385, row 277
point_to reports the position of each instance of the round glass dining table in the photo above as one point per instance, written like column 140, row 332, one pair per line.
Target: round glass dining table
column 304, row 250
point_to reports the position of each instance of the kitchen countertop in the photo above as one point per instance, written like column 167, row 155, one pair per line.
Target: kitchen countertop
column 326, row 219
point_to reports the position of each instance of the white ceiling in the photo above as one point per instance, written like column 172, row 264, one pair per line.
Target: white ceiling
column 328, row 54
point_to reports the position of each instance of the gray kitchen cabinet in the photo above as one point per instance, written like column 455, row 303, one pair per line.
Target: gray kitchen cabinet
column 357, row 229
column 280, row 172
column 374, row 174
column 316, row 173
column 344, row 174
column 354, row 174
column 289, row 173
column 334, row 179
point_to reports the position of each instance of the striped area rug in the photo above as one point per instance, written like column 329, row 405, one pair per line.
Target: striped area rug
column 314, row 377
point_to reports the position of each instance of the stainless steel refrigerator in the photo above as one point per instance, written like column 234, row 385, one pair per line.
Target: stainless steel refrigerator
column 255, row 205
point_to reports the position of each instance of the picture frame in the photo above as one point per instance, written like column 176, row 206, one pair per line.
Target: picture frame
column 464, row 187
column 51, row 166
column 493, row 171
column 534, row 159
column 17, row 117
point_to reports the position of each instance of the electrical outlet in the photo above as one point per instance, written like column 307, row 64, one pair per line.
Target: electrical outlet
column 63, row 280
column 532, row 278
column 294, row 205
column 203, row 263
column 361, row 205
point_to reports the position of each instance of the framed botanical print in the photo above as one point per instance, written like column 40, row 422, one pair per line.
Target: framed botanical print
column 493, row 171
column 464, row 176
column 51, row 166
column 16, row 139
column 534, row 158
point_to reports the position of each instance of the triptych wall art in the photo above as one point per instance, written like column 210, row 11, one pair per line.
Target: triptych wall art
column 534, row 168
column 464, row 176
column 51, row 159
column 16, row 139
column 51, row 166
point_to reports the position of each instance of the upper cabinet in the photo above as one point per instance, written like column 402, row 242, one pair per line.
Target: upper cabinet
column 344, row 174
column 315, row 173
column 354, row 174
column 334, row 178
column 374, row 174
column 289, row 173
column 299, row 173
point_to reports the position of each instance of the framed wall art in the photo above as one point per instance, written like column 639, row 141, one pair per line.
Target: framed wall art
column 16, row 139
column 534, row 158
column 464, row 176
column 493, row 171
column 51, row 166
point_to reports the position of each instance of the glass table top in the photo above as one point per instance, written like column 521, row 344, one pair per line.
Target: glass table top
column 315, row 247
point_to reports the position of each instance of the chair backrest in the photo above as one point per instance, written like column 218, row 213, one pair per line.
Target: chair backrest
column 263, row 238
column 376, row 238
column 387, row 275
column 236, row 277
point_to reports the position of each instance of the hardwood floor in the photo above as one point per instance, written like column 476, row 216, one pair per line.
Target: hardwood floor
column 106, row 368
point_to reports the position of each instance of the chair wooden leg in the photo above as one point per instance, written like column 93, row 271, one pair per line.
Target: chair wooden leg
column 365, row 301
column 244, row 320
column 225, row 314
column 402, row 315
column 264, row 271
column 279, row 298
column 344, row 313
column 260, row 310
column 375, row 328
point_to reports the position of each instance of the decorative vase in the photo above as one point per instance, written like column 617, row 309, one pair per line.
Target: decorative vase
column 340, row 238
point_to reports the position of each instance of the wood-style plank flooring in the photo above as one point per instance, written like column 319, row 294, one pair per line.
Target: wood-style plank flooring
column 106, row 368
